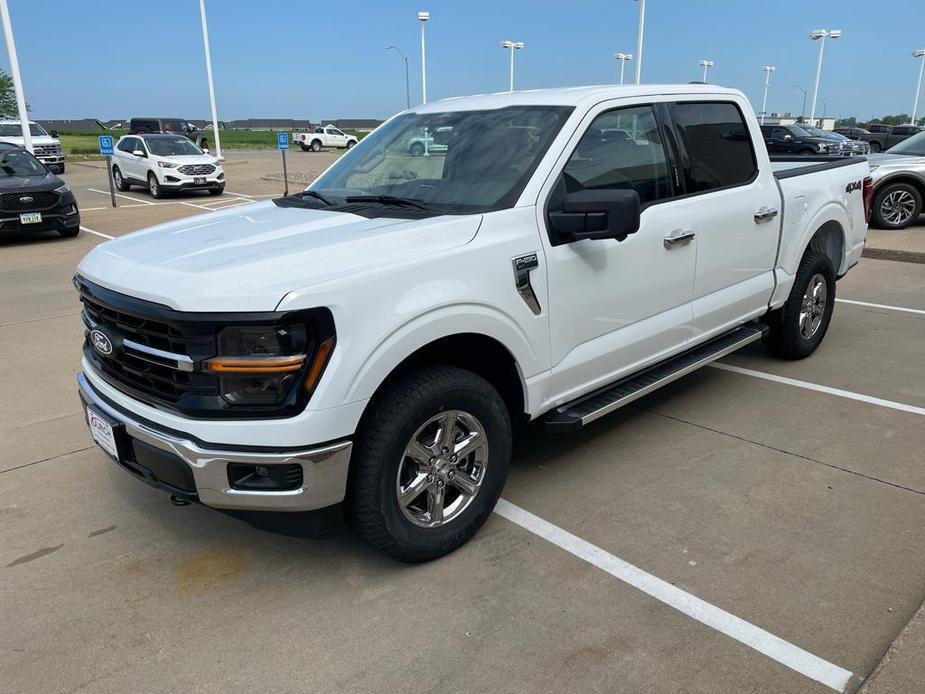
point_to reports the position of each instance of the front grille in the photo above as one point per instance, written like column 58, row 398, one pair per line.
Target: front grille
column 147, row 373
column 196, row 169
column 48, row 149
column 28, row 202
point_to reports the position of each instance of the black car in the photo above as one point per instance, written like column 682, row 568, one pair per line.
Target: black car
column 32, row 198
column 169, row 126
column 793, row 139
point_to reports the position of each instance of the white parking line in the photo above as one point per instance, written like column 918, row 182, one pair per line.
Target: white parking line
column 822, row 389
column 883, row 306
column 97, row 233
column 754, row 637
column 119, row 195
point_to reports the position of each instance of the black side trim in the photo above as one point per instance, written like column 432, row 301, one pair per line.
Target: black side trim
column 821, row 163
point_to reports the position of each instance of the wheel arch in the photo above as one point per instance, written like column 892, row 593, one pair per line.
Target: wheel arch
column 905, row 177
column 829, row 239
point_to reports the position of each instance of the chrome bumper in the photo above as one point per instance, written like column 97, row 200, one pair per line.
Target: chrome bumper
column 324, row 468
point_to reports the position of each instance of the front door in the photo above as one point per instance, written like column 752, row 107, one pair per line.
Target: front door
column 615, row 306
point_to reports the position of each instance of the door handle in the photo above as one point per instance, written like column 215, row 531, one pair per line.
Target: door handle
column 765, row 214
column 678, row 237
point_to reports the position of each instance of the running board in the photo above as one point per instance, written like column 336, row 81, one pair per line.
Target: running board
column 586, row 409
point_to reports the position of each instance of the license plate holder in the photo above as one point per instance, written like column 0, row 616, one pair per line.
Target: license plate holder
column 30, row 218
column 199, row 180
column 107, row 433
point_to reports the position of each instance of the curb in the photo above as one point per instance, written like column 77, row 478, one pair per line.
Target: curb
column 894, row 254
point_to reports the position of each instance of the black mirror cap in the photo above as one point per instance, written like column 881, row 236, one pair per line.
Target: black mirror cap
column 597, row 214
column 53, row 133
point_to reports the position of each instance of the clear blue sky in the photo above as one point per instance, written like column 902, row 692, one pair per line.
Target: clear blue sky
column 326, row 59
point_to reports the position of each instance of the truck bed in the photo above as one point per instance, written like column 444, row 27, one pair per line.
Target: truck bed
column 788, row 167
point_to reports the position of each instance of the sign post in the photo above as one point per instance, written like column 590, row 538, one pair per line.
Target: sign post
column 106, row 151
column 282, row 142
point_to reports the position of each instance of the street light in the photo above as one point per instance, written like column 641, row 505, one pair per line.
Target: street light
column 407, row 78
column 623, row 58
column 512, row 46
column 767, row 69
column 803, row 111
column 639, row 33
column 17, row 80
column 918, row 85
column 422, row 18
column 205, row 42
column 820, row 35
column 706, row 65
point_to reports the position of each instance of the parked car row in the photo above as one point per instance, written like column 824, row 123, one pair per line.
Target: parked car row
column 880, row 137
column 805, row 139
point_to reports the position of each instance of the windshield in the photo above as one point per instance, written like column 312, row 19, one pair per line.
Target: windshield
column 914, row 146
column 798, row 130
column 453, row 162
column 174, row 126
column 171, row 146
column 18, row 162
column 15, row 130
column 819, row 132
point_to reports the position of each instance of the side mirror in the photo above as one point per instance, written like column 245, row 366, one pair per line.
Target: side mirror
column 139, row 153
column 788, row 137
column 53, row 133
column 597, row 214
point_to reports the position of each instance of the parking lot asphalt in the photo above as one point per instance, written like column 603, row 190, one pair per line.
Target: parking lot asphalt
column 747, row 530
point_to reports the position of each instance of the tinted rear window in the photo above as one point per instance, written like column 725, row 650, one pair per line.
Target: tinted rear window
column 718, row 145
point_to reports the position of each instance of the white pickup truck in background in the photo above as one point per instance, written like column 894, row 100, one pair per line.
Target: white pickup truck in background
column 364, row 347
column 46, row 147
column 328, row 136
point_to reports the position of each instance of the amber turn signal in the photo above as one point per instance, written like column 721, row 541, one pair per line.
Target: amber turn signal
column 321, row 360
column 255, row 365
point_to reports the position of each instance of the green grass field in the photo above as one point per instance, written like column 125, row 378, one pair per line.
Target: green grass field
column 85, row 144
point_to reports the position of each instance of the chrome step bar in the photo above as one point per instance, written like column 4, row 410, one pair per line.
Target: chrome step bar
column 588, row 408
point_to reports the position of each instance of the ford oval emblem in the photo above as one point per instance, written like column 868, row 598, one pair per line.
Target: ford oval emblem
column 27, row 199
column 101, row 342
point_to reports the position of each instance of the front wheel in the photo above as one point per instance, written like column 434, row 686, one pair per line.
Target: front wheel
column 350, row 144
column 797, row 328
column 154, row 186
column 896, row 206
column 216, row 191
column 429, row 462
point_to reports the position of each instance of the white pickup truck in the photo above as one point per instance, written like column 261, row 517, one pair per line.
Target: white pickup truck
column 328, row 136
column 46, row 147
column 365, row 346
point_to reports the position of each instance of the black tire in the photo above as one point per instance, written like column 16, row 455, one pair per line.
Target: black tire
column 416, row 149
column 896, row 206
column 787, row 337
column 60, row 168
column 806, row 152
column 316, row 146
column 69, row 233
column 154, row 187
column 305, row 147
column 216, row 191
column 876, row 147
column 351, row 144
column 389, row 425
column 121, row 184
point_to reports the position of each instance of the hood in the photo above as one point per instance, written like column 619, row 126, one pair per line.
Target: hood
column 29, row 184
column 36, row 140
column 249, row 257
column 183, row 159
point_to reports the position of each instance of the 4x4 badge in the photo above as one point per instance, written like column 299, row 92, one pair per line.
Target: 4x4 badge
column 523, row 264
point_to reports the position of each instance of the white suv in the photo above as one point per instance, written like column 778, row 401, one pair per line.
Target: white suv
column 164, row 164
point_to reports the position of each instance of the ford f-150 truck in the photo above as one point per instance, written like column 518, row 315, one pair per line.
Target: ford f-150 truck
column 46, row 147
column 366, row 347
column 328, row 136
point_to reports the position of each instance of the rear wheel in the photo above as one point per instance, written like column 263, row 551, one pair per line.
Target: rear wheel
column 119, row 180
column 896, row 206
column 316, row 145
column 154, row 187
column 305, row 147
column 798, row 327
column 429, row 462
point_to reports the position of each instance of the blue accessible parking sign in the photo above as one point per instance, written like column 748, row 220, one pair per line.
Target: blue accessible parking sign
column 282, row 140
column 106, row 145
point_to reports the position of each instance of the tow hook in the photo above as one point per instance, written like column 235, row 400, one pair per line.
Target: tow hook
column 177, row 501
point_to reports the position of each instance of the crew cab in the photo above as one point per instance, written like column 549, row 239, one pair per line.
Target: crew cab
column 46, row 146
column 796, row 139
column 366, row 347
column 882, row 137
column 165, row 164
column 328, row 136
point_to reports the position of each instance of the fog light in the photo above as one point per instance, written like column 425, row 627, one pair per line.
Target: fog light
column 265, row 478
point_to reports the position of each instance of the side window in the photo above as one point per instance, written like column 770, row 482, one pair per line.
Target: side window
column 779, row 133
column 622, row 149
column 719, row 149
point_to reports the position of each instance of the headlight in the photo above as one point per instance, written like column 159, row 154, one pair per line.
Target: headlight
column 61, row 190
column 260, row 365
column 166, row 165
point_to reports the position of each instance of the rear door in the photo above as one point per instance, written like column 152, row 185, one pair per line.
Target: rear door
column 738, row 213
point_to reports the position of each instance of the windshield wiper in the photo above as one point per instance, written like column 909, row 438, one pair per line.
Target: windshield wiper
column 386, row 200
column 317, row 196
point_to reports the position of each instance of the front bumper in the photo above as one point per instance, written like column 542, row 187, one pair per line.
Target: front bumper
column 174, row 181
column 60, row 218
column 324, row 467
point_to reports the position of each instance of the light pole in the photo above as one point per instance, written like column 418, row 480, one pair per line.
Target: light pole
column 918, row 85
column 422, row 18
column 17, row 80
column 623, row 58
column 802, row 112
column 512, row 46
column 407, row 78
column 639, row 34
column 706, row 65
column 205, row 42
column 819, row 35
column 767, row 69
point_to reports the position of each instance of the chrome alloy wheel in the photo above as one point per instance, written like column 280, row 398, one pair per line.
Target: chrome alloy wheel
column 897, row 207
column 812, row 308
column 442, row 469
